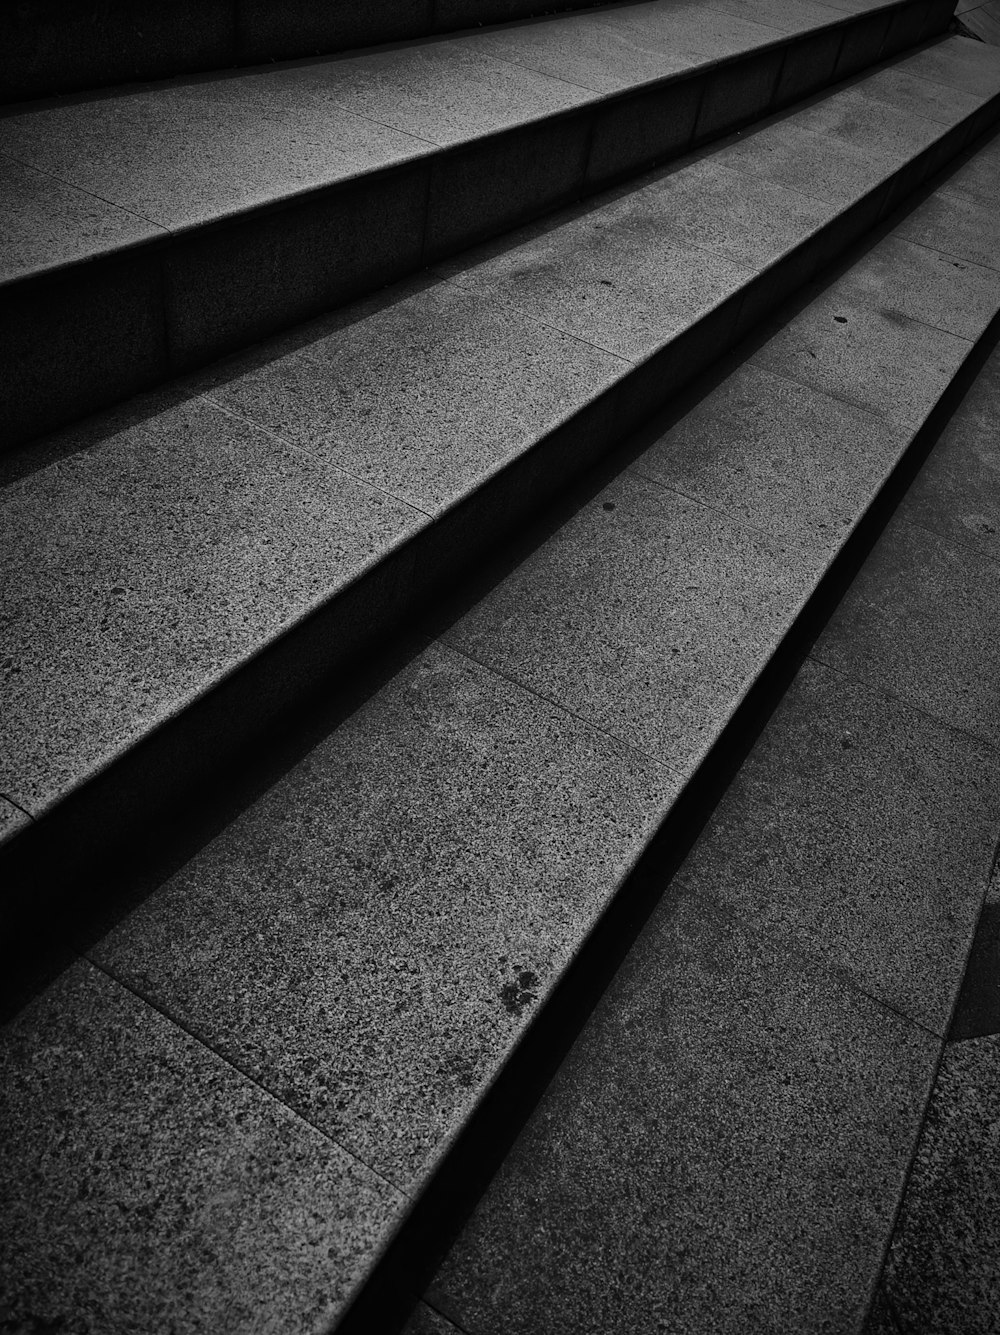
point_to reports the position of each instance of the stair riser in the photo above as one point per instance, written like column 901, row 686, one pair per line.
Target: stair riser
column 147, row 782
column 226, row 286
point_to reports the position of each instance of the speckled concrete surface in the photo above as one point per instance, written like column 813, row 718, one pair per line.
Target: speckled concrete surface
column 942, row 1268
column 46, row 224
column 599, row 50
column 646, row 614
column 774, row 454
column 957, row 493
column 146, row 1185
column 810, row 164
column 368, row 940
column 222, row 145
column 899, row 278
column 148, row 553
column 749, row 219
column 721, row 1151
column 844, row 344
column 871, row 125
column 959, row 63
column 441, row 92
column 430, row 394
column 957, row 223
column 908, row 93
column 613, row 276
column 873, row 833
column 930, row 640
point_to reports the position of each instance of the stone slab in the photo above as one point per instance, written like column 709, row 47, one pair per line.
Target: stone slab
column 600, row 50
column 422, row 393
column 370, row 938
column 147, row 1185
column 745, row 218
column 940, row 1274
column 150, row 553
column 222, row 146
column 957, row 224
column 782, row 458
column 957, row 492
column 918, row 621
column 721, row 1151
column 611, row 275
column 439, row 92
column 46, row 224
column 646, row 614
column 846, row 345
column 902, row 279
column 959, row 62
column 870, row 841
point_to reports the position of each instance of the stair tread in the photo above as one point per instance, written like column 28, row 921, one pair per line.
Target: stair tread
column 458, row 836
column 436, row 388
column 185, row 154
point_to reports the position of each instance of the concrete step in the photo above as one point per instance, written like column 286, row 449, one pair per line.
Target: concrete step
column 152, row 229
column 190, row 566
column 66, row 45
column 726, row 1144
column 253, row 529
column 321, row 994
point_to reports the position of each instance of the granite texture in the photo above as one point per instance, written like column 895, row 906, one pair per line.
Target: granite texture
column 957, row 224
column 12, row 819
column 146, row 1185
column 440, row 92
column 801, row 17
column 902, row 279
column 845, row 344
column 787, row 460
column 957, row 492
column 149, row 553
column 871, row 125
column 222, row 145
column 611, row 275
column 977, row 176
column 871, row 841
column 820, row 167
column 646, row 614
column 596, row 50
column 424, row 392
column 369, row 939
column 722, row 1151
column 743, row 217
column 46, row 225
column 928, row 638
column 906, row 92
column 959, row 63
column 941, row 1271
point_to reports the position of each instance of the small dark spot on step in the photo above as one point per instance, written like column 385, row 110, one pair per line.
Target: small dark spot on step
column 517, row 995
column 846, row 744
column 606, row 282
column 608, row 505
column 841, row 319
